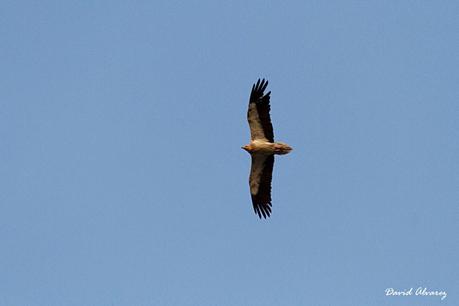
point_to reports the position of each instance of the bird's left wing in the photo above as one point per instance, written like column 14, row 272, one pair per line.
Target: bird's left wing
column 260, row 183
column 258, row 116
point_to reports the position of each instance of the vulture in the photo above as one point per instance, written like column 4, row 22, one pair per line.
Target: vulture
column 262, row 149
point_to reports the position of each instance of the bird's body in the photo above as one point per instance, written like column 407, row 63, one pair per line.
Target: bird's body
column 266, row 147
column 262, row 148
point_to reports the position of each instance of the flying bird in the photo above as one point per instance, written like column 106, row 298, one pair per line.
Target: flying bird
column 262, row 149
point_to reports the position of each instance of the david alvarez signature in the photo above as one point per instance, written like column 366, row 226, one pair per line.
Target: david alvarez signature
column 421, row 291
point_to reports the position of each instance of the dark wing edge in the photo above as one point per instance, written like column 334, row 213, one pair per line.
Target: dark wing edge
column 263, row 107
column 262, row 199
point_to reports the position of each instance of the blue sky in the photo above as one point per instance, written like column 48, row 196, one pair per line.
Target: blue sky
column 122, row 177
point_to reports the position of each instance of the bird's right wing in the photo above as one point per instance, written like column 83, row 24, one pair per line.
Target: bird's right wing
column 260, row 183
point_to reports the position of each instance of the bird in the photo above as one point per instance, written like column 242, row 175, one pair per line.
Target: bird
column 262, row 148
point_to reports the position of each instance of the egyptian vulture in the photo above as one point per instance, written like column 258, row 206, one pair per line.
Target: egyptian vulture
column 262, row 149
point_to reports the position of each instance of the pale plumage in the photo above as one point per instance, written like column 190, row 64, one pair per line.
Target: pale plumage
column 262, row 148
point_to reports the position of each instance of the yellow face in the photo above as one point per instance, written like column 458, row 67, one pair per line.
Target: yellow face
column 247, row 148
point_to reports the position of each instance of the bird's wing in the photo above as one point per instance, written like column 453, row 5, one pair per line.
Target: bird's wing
column 261, row 174
column 258, row 114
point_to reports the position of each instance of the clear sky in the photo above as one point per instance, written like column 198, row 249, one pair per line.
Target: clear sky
column 122, row 177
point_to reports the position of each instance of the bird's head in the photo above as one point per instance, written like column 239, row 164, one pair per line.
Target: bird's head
column 248, row 148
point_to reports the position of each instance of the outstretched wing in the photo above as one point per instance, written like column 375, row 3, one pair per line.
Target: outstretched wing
column 261, row 174
column 258, row 115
